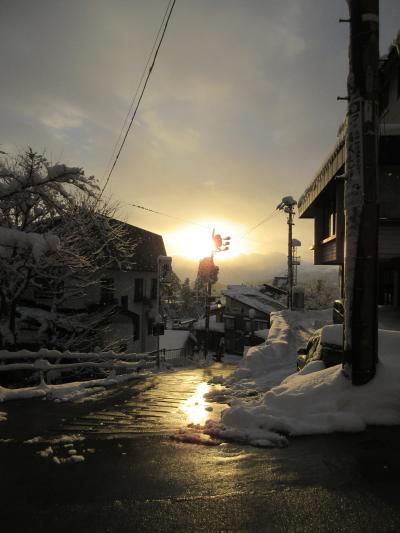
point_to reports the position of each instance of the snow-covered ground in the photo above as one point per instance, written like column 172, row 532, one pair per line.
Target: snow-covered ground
column 269, row 363
column 315, row 400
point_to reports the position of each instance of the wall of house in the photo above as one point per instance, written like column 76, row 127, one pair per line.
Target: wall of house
column 238, row 325
column 121, row 293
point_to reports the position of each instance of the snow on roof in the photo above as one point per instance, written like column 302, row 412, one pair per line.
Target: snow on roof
column 253, row 297
column 174, row 339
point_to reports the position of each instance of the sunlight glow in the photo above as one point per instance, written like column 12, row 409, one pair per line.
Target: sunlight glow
column 195, row 406
column 195, row 242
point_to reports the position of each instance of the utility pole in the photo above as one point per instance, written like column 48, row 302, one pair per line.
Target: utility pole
column 287, row 205
column 361, row 207
column 290, row 257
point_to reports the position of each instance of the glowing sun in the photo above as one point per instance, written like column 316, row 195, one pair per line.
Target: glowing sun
column 195, row 241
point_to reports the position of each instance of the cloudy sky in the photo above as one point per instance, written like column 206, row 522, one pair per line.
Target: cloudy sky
column 240, row 110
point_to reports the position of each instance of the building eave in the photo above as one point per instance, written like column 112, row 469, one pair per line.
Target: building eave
column 332, row 164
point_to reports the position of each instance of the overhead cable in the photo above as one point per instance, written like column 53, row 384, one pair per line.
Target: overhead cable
column 140, row 98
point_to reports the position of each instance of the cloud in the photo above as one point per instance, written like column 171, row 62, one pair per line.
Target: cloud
column 62, row 117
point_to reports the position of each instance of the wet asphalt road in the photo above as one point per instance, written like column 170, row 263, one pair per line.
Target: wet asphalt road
column 136, row 478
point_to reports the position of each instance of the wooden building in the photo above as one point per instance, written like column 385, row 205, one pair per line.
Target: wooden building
column 323, row 200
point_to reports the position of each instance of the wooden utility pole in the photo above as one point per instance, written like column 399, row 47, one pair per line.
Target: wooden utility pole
column 361, row 207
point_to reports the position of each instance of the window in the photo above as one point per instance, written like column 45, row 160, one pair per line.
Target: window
column 150, row 324
column 136, row 327
column 139, row 286
column 329, row 220
column 153, row 293
column 384, row 99
column 124, row 302
column 107, row 291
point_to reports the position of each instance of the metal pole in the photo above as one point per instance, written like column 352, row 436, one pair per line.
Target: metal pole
column 290, row 258
column 361, row 207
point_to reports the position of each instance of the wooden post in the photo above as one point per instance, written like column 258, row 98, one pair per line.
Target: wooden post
column 361, row 209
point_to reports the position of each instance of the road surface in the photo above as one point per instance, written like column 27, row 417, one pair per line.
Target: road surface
column 136, row 478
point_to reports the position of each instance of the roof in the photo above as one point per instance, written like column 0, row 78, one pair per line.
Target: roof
column 147, row 247
column 331, row 165
column 253, row 298
column 175, row 339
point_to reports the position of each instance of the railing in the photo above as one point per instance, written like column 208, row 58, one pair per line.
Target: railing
column 173, row 355
column 45, row 361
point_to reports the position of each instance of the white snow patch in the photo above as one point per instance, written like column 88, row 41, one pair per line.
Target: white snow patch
column 45, row 453
column 321, row 401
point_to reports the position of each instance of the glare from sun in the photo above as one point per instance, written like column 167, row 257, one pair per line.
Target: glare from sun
column 195, row 241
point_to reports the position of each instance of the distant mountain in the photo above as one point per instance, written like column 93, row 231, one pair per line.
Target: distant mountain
column 255, row 268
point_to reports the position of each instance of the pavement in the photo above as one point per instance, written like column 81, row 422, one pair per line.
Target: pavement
column 135, row 477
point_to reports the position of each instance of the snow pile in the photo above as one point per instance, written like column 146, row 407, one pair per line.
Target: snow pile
column 319, row 401
column 267, row 364
column 38, row 244
column 66, row 391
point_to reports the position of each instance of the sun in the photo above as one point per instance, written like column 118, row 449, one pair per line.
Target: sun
column 195, row 241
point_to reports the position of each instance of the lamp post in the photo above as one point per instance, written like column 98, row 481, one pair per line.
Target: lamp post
column 252, row 314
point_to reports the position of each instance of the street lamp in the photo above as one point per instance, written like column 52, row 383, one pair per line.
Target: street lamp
column 252, row 314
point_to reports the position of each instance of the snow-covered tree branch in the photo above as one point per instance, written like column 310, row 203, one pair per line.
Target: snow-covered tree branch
column 57, row 238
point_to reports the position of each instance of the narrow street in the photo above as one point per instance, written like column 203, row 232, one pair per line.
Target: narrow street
column 136, row 478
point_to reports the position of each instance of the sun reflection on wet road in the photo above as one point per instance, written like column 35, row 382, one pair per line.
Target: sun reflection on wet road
column 195, row 406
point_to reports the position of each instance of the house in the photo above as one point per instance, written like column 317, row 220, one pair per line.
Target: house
column 127, row 296
column 323, row 200
column 216, row 330
column 247, row 309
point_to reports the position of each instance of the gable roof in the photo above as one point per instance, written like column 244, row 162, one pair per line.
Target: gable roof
column 147, row 247
column 252, row 297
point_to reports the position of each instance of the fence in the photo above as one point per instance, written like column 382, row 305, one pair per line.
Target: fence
column 44, row 362
column 177, row 354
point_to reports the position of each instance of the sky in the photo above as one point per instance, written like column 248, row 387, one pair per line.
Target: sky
column 240, row 109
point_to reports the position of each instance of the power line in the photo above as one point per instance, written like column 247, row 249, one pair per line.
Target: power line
column 167, row 215
column 260, row 223
column 140, row 98
column 238, row 238
column 137, row 90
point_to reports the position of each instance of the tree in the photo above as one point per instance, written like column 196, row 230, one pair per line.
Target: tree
column 55, row 236
column 320, row 295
